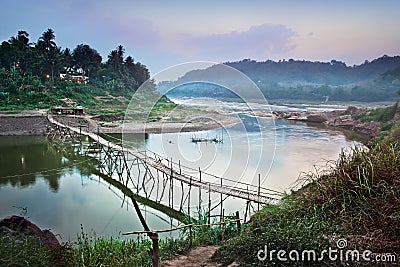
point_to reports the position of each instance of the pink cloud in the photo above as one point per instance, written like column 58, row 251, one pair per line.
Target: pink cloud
column 259, row 41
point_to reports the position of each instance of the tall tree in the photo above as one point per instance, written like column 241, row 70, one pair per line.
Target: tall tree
column 67, row 59
column 87, row 58
column 115, row 60
column 17, row 51
column 129, row 73
column 46, row 41
column 50, row 53
column 142, row 73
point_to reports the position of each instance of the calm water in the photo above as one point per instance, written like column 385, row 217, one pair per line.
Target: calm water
column 58, row 194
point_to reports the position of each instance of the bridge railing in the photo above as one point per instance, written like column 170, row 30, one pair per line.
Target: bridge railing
column 197, row 176
column 155, row 252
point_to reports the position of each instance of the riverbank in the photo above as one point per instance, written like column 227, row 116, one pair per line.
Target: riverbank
column 352, row 208
column 353, row 118
column 27, row 122
column 35, row 122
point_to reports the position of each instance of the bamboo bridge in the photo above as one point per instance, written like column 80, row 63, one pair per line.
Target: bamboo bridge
column 152, row 174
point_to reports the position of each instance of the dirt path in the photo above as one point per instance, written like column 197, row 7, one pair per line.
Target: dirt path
column 200, row 256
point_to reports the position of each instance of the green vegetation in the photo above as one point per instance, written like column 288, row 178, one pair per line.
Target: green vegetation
column 358, row 199
column 109, row 251
column 45, row 61
column 387, row 118
column 25, row 251
column 41, row 75
column 380, row 115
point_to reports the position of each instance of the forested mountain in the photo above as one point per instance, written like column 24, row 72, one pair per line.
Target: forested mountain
column 307, row 72
column 377, row 80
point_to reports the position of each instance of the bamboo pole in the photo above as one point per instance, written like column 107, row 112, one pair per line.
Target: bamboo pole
column 200, row 191
column 209, row 203
column 155, row 252
column 223, row 225
column 190, row 236
column 259, row 190
column 190, row 189
column 222, row 202
column 177, row 228
column 172, row 185
column 238, row 225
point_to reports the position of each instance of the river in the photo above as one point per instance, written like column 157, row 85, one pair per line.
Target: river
column 56, row 193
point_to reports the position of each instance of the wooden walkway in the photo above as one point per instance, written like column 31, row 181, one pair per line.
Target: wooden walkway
column 240, row 190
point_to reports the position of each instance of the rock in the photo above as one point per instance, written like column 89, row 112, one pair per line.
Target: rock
column 12, row 227
column 320, row 118
column 370, row 129
column 351, row 110
column 278, row 114
column 296, row 116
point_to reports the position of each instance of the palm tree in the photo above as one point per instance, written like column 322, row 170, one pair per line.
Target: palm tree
column 50, row 52
column 46, row 41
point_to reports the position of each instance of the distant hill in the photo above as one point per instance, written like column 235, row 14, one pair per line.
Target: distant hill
column 377, row 80
column 307, row 72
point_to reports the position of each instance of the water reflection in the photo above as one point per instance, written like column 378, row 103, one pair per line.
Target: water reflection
column 24, row 158
column 59, row 191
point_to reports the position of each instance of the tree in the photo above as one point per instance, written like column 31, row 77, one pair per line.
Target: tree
column 15, row 52
column 129, row 73
column 67, row 59
column 46, row 41
column 142, row 73
column 50, row 53
column 6, row 55
column 87, row 58
column 116, row 59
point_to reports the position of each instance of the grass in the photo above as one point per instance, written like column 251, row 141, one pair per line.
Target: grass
column 356, row 200
column 25, row 251
column 18, row 92
column 383, row 115
column 92, row 251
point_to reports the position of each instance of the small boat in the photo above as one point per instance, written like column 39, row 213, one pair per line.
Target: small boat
column 206, row 140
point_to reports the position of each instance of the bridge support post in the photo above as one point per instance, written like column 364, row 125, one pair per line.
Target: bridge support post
column 155, row 252
column 259, row 191
column 200, row 191
column 190, row 188
column 190, row 236
column 238, row 225
column 209, row 203
column 172, row 185
column 222, row 202
column 223, row 225
column 247, row 209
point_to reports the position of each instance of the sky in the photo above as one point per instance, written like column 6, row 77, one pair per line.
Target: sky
column 160, row 34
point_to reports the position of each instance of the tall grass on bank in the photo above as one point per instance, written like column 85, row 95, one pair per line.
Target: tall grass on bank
column 358, row 199
column 112, row 251
column 92, row 251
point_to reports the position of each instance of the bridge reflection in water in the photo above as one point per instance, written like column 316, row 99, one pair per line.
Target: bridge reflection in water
column 151, row 176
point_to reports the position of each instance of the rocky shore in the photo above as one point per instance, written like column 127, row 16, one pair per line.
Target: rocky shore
column 345, row 119
column 17, row 229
